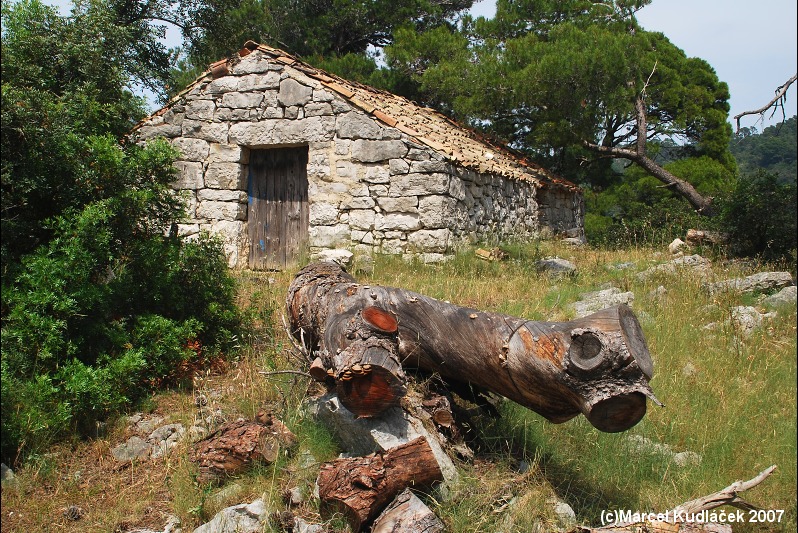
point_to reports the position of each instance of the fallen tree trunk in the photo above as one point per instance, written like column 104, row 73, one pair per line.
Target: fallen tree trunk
column 361, row 487
column 360, row 337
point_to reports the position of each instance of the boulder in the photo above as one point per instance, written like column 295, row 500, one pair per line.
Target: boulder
column 242, row 518
column 759, row 282
column 591, row 302
column 556, row 266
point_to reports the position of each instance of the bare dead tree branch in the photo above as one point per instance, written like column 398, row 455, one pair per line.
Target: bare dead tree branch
column 777, row 102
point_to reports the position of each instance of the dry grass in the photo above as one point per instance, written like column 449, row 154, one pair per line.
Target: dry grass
column 729, row 398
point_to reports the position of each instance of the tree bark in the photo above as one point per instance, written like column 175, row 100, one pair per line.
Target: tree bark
column 598, row 365
column 233, row 448
column 361, row 487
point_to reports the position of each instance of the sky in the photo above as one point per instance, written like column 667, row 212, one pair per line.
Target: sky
column 751, row 45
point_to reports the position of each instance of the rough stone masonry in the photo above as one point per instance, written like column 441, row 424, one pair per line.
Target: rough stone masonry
column 372, row 186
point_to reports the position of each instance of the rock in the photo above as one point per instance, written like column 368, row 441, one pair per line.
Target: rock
column 645, row 446
column 164, row 438
column 785, row 297
column 158, row 443
column 293, row 496
column 364, row 264
column 621, row 266
column 242, row 518
column 683, row 459
column 747, row 319
column 759, row 282
column 7, row 477
column 689, row 263
column 343, row 258
column 565, row 513
column 556, row 266
column 362, row 436
column 300, row 526
column 689, row 370
column 172, row 526
column 144, row 424
column 677, row 246
column 135, row 448
column 596, row 301
column 574, row 241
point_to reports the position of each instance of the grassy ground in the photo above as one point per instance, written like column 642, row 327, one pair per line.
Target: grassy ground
column 728, row 398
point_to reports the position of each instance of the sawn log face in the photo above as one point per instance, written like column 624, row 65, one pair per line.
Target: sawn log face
column 598, row 365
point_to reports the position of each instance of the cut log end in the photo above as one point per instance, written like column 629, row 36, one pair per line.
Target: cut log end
column 370, row 393
column 617, row 413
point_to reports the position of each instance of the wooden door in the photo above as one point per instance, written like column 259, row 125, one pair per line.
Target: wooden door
column 277, row 214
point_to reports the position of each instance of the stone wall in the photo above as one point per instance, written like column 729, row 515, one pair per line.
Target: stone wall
column 371, row 187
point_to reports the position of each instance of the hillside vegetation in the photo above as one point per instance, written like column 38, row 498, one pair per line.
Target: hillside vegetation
column 730, row 398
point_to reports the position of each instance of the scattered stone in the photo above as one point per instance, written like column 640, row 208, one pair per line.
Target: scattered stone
column 747, row 319
column 574, row 241
column 364, row 264
column 159, row 442
column 785, row 297
column 677, row 246
column 145, row 424
column 644, row 446
column 621, row 266
column 293, row 496
column 596, row 301
column 135, row 448
column 556, row 266
column 7, row 477
column 300, row 526
column 690, row 263
column 683, row 459
column 172, row 526
column 565, row 513
column 223, row 495
column 689, row 370
column 344, row 258
column 759, row 282
column 242, row 518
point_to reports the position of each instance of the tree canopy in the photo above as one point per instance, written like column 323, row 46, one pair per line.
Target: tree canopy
column 575, row 84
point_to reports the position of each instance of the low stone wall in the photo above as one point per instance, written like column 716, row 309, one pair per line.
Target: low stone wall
column 370, row 186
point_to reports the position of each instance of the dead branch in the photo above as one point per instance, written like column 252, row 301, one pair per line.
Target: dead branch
column 778, row 101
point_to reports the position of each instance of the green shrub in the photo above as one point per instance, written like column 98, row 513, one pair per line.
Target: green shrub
column 110, row 308
column 760, row 217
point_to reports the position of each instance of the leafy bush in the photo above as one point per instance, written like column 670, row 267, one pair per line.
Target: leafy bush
column 110, row 308
column 760, row 216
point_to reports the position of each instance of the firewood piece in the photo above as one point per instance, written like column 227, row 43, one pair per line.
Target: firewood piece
column 598, row 365
column 407, row 514
column 233, row 448
column 360, row 487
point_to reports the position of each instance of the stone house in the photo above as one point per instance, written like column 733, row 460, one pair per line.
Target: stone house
column 280, row 159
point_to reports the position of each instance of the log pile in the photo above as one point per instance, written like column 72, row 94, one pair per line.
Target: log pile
column 359, row 340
